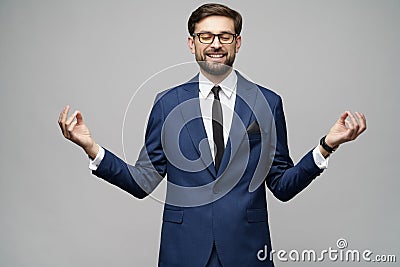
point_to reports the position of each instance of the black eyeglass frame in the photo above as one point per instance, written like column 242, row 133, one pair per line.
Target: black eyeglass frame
column 234, row 35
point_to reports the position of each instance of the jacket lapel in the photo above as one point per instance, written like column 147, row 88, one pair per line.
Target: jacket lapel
column 246, row 95
column 190, row 109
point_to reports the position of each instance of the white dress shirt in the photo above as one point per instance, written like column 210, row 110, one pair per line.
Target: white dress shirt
column 227, row 98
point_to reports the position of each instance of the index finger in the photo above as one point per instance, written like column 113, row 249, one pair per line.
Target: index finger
column 63, row 114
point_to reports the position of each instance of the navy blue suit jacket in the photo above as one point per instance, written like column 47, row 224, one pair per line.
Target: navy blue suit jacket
column 204, row 207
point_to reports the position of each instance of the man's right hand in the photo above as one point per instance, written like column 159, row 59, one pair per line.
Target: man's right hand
column 75, row 130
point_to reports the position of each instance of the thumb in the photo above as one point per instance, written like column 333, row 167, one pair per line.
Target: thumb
column 343, row 116
column 79, row 118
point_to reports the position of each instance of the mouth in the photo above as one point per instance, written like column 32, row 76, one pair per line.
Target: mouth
column 216, row 57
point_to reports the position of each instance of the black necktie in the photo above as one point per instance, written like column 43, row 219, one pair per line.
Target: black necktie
column 218, row 133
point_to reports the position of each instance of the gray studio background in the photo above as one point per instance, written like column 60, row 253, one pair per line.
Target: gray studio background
column 322, row 57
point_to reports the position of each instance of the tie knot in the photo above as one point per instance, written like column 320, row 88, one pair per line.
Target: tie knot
column 215, row 91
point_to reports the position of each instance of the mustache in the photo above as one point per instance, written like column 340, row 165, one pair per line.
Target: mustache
column 211, row 51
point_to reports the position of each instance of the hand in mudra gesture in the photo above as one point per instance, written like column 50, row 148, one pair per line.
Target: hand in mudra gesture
column 347, row 128
column 74, row 129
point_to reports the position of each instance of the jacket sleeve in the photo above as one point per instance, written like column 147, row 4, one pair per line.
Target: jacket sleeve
column 286, row 180
column 142, row 178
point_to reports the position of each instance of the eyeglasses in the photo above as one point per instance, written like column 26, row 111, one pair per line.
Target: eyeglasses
column 208, row 37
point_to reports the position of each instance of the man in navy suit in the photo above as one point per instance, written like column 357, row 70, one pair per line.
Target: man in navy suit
column 217, row 138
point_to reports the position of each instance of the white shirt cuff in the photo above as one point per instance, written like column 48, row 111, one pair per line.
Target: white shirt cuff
column 319, row 160
column 93, row 164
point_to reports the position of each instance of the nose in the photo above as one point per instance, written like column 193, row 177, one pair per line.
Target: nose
column 216, row 43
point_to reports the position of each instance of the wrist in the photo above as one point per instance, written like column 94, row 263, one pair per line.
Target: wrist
column 92, row 150
column 327, row 146
column 330, row 143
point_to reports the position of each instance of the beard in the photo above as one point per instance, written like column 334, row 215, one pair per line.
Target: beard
column 215, row 68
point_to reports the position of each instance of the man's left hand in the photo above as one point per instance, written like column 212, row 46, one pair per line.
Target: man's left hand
column 347, row 128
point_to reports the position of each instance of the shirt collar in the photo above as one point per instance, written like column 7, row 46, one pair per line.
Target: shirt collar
column 228, row 85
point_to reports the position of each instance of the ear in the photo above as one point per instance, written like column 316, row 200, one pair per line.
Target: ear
column 191, row 44
column 238, row 43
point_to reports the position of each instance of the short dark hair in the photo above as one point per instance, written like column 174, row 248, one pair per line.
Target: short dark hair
column 213, row 9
